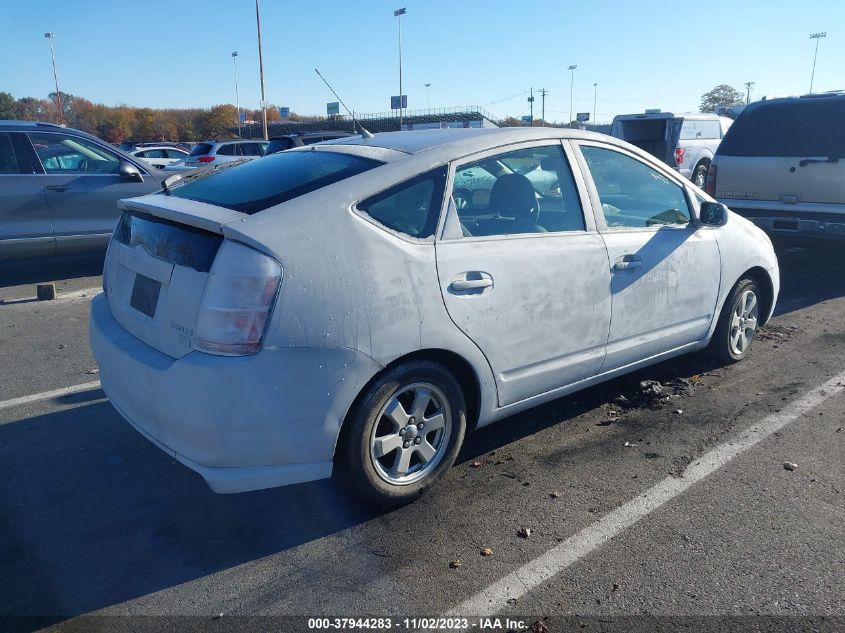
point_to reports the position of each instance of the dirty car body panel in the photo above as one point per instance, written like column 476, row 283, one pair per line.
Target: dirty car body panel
column 359, row 292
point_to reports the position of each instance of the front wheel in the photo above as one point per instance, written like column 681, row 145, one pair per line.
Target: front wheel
column 403, row 434
column 737, row 323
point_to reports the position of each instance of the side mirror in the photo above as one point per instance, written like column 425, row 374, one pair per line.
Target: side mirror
column 713, row 214
column 130, row 172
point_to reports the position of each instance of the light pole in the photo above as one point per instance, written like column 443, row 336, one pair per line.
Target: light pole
column 571, row 87
column 427, row 100
column 50, row 37
column 595, row 99
column 398, row 15
column 237, row 95
column 261, row 72
column 543, row 93
column 531, row 104
column 817, row 37
column 748, row 86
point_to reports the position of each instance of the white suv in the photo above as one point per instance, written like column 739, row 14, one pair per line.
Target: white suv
column 212, row 153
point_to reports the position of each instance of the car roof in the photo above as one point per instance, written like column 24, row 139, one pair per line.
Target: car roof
column 13, row 123
column 459, row 139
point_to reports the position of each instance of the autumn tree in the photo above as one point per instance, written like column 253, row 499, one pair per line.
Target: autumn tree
column 722, row 96
column 7, row 106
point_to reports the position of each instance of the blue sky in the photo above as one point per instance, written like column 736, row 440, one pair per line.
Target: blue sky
column 642, row 54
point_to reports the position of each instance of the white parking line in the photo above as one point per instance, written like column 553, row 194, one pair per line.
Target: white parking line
column 47, row 395
column 518, row 583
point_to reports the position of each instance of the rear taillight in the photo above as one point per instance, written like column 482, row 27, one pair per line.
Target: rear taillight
column 679, row 155
column 710, row 185
column 241, row 288
column 205, row 159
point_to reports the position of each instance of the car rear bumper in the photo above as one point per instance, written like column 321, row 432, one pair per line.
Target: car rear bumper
column 242, row 423
column 796, row 223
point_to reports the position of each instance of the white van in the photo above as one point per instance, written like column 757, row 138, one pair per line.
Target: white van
column 686, row 142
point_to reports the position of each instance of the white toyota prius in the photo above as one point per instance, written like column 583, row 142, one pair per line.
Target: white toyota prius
column 331, row 309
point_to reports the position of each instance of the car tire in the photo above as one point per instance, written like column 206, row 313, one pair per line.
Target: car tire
column 699, row 175
column 738, row 323
column 403, row 433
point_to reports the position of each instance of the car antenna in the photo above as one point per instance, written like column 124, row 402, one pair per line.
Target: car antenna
column 364, row 132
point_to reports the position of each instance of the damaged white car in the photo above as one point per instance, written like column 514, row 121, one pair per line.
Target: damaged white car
column 331, row 309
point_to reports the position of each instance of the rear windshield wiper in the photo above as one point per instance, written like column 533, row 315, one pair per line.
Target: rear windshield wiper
column 810, row 161
column 180, row 179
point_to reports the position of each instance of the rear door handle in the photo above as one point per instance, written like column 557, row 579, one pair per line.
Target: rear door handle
column 59, row 188
column 628, row 262
column 470, row 284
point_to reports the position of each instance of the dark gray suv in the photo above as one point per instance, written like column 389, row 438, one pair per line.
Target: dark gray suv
column 59, row 189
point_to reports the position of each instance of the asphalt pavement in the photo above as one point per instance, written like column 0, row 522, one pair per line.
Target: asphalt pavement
column 96, row 524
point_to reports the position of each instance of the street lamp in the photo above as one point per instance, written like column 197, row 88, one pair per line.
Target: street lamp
column 427, row 100
column 571, row 86
column 595, row 98
column 237, row 96
column 261, row 72
column 817, row 37
column 50, row 37
column 398, row 15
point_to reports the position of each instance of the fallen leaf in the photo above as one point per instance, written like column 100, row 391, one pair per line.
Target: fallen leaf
column 486, row 551
column 554, row 495
column 455, row 563
column 524, row 532
column 790, row 465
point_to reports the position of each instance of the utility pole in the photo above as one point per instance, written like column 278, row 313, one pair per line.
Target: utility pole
column 748, row 86
column 398, row 15
column 571, row 87
column 531, row 105
column 50, row 37
column 261, row 72
column 237, row 95
column 595, row 99
column 817, row 37
column 543, row 93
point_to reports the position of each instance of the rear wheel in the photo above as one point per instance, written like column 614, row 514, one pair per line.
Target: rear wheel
column 404, row 434
column 699, row 175
column 738, row 323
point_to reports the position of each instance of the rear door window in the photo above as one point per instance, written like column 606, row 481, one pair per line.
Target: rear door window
column 228, row 150
column 797, row 128
column 8, row 159
column 201, row 149
column 259, row 184
column 412, row 207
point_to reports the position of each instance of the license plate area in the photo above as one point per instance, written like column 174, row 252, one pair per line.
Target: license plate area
column 145, row 294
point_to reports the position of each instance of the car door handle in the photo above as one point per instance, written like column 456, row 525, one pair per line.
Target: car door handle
column 59, row 188
column 628, row 262
column 470, row 284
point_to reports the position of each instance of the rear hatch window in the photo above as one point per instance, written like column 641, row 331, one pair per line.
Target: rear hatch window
column 799, row 128
column 201, row 149
column 260, row 184
column 176, row 243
